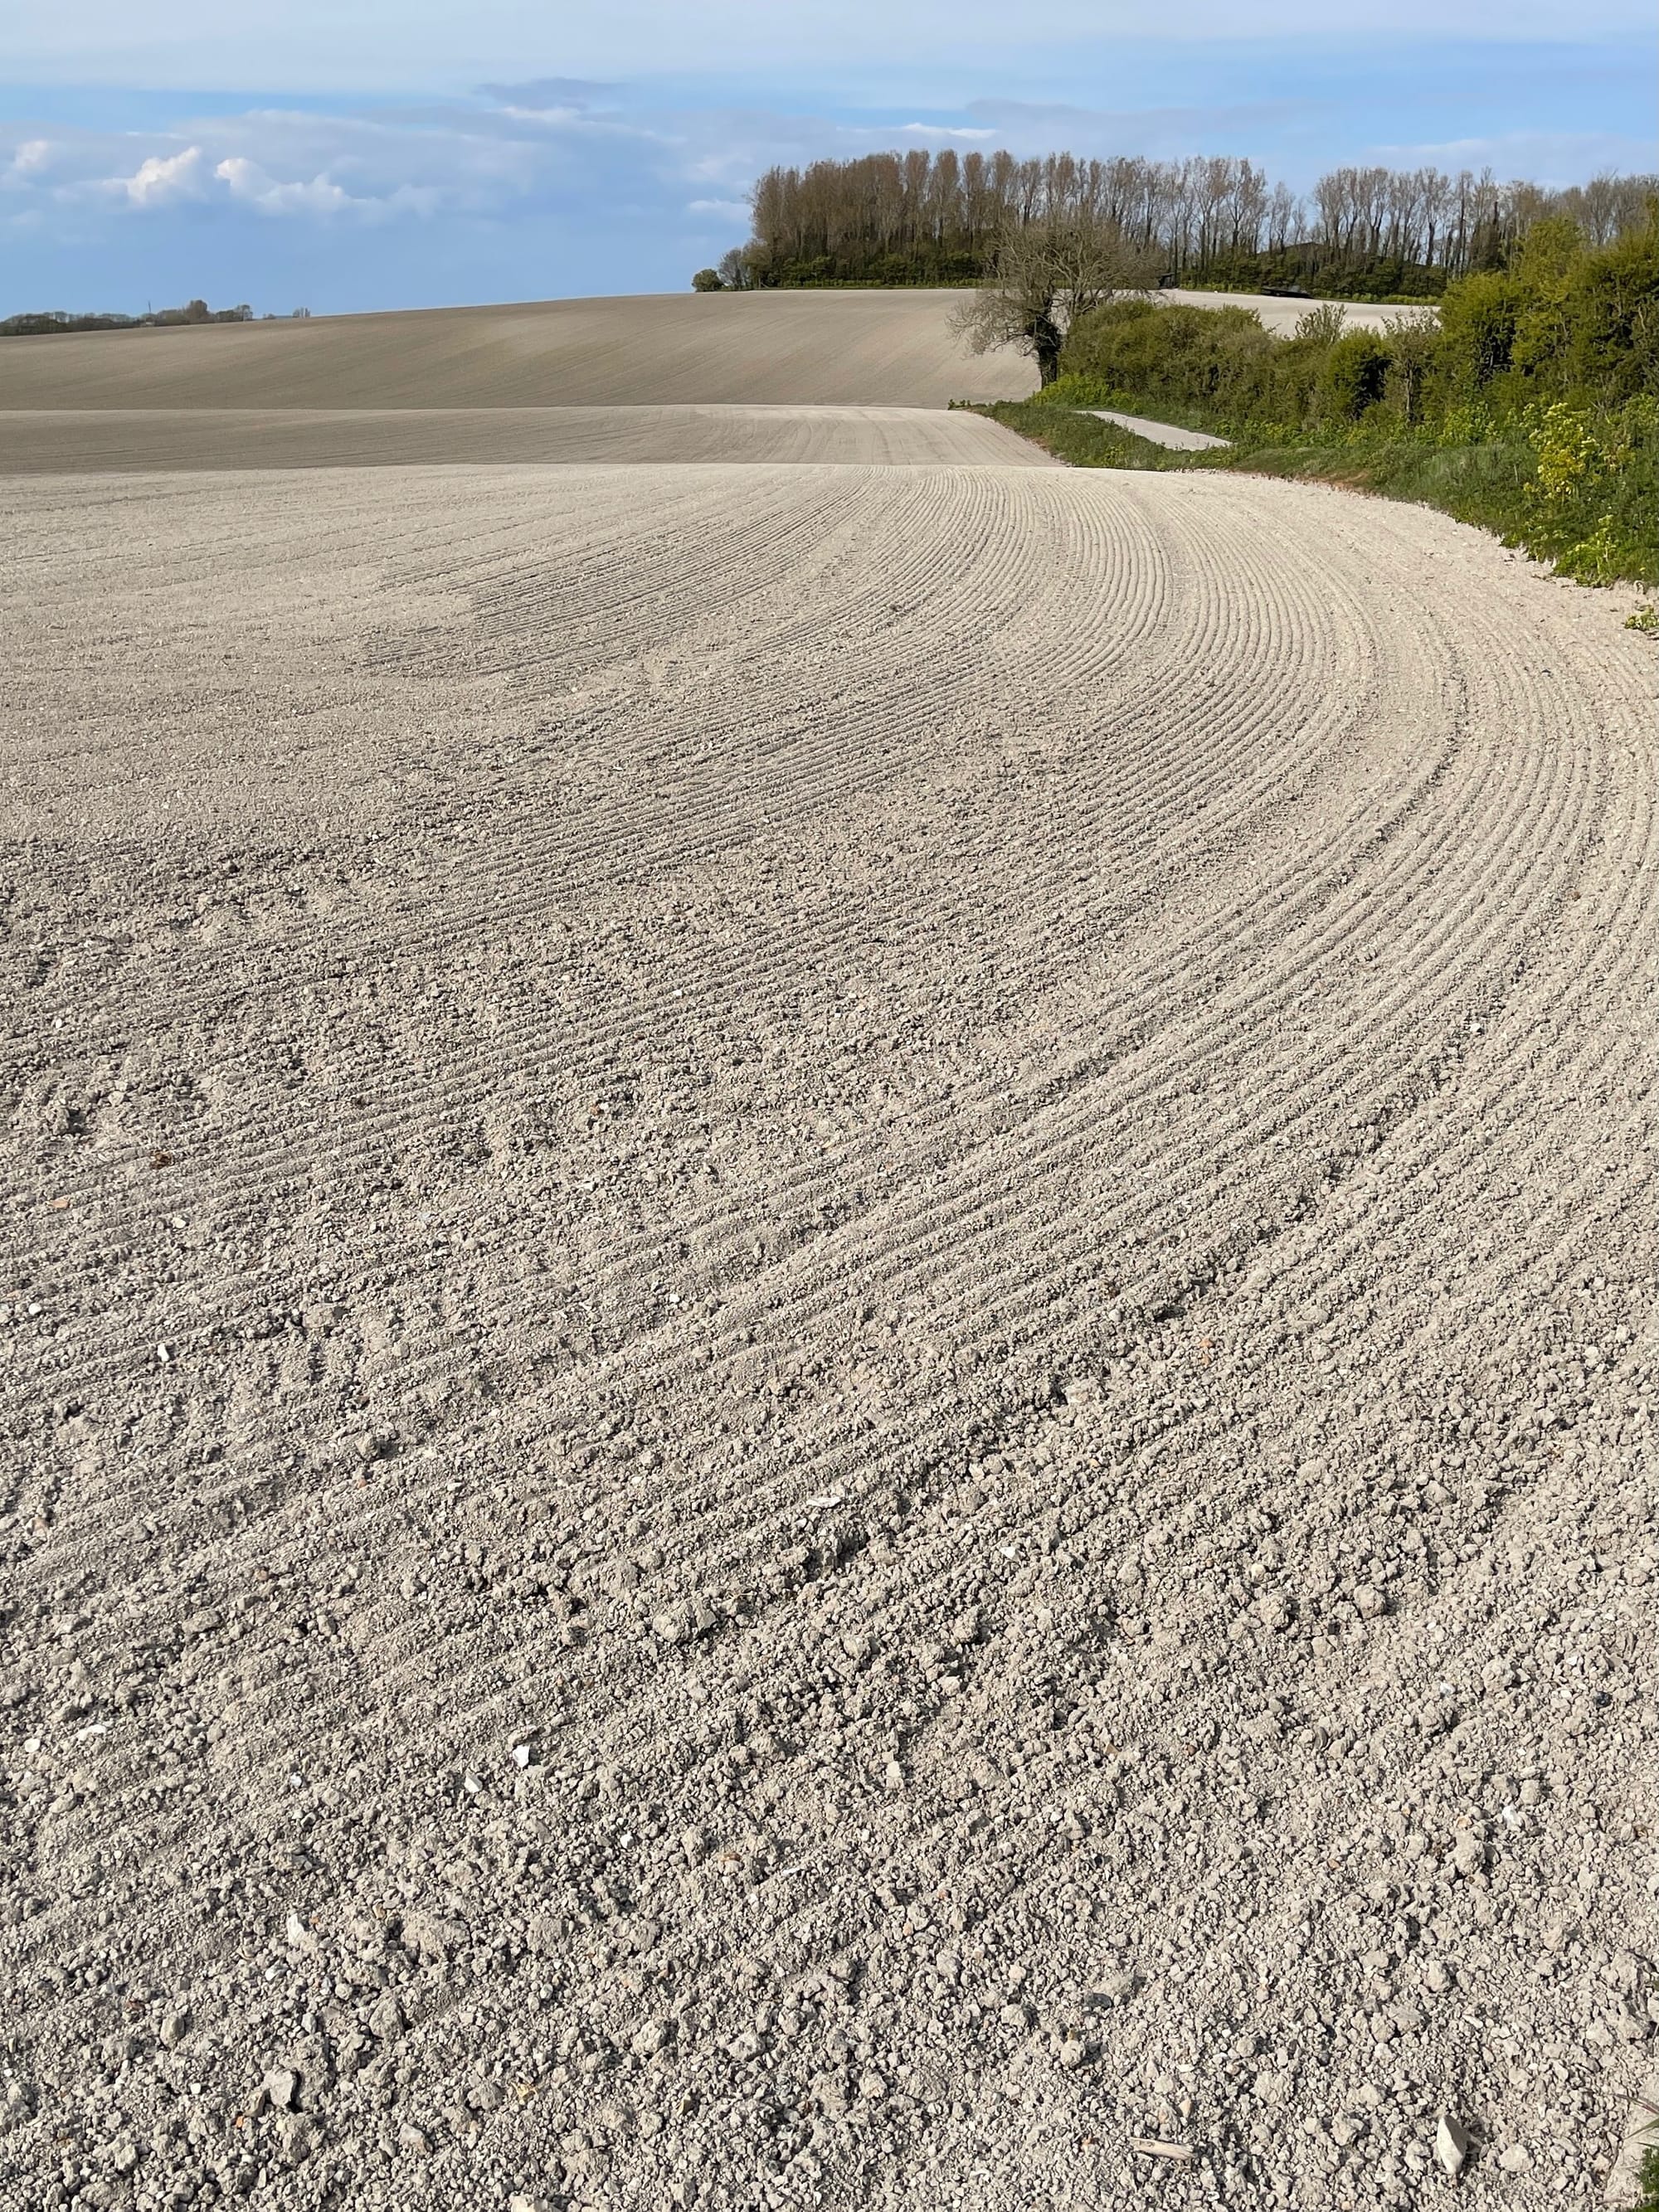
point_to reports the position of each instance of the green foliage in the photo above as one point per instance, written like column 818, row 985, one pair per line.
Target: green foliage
column 1564, row 320
column 1645, row 618
column 1478, row 319
column 874, row 269
column 708, row 280
column 1083, row 439
column 1592, row 501
column 1353, row 374
column 1321, row 326
column 1547, row 270
column 1612, row 343
column 1532, row 406
column 1199, row 363
column 1414, row 357
column 1568, row 451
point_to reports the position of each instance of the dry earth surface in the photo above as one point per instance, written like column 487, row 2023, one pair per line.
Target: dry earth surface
column 800, row 348
column 828, row 1309
column 1283, row 315
column 43, row 442
column 796, row 349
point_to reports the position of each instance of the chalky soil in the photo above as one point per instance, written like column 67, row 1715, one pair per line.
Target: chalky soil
column 828, row 1344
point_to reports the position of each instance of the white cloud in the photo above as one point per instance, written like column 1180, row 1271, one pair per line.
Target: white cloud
column 164, row 179
column 248, row 182
column 80, row 173
column 413, row 163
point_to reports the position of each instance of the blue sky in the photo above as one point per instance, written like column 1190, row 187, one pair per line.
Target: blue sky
column 409, row 153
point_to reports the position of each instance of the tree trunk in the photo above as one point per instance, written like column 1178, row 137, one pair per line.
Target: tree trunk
column 1047, row 338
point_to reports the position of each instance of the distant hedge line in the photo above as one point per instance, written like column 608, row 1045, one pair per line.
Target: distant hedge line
column 47, row 322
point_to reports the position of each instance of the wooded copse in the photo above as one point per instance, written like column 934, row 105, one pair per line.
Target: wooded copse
column 924, row 218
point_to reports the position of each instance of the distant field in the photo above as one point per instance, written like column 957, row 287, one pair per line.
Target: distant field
column 802, row 349
column 74, row 440
column 1283, row 315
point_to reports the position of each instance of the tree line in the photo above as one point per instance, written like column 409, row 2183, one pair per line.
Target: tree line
column 924, row 218
column 44, row 322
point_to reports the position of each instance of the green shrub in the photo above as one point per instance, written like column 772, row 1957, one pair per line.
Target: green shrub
column 1321, row 327
column 1478, row 319
column 1413, row 358
column 1532, row 406
column 1352, row 375
column 1612, row 346
column 1593, row 497
column 1193, row 364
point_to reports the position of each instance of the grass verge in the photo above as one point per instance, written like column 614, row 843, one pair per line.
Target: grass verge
column 1496, row 485
column 1083, row 439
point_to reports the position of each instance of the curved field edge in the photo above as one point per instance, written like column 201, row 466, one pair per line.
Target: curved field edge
column 1491, row 486
column 846, row 1283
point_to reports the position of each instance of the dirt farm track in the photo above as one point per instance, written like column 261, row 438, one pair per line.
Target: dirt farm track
column 828, row 1331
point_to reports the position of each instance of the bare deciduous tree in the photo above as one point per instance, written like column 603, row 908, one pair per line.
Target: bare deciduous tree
column 1045, row 274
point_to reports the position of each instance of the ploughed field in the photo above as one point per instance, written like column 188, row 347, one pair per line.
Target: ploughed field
column 840, row 348
column 41, row 442
column 830, row 1337
column 796, row 349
